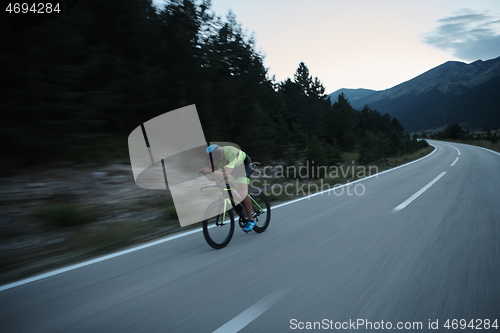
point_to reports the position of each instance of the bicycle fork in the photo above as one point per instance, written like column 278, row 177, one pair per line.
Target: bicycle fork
column 221, row 223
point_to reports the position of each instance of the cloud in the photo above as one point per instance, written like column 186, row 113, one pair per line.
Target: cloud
column 468, row 35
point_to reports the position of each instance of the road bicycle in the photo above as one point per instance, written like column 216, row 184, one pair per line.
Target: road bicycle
column 219, row 223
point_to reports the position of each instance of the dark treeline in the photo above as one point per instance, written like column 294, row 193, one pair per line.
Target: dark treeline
column 78, row 85
column 456, row 132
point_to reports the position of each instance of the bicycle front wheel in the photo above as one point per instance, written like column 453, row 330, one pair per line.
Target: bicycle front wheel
column 218, row 227
column 262, row 212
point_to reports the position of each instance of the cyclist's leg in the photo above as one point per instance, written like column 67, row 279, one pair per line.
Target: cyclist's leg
column 247, row 202
column 240, row 187
column 236, row 192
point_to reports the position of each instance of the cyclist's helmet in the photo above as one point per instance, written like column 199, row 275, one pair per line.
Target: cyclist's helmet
column 216, row 152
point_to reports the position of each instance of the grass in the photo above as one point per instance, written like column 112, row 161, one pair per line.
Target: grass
column 80, row 243
column 400, row 160
column 346, row 172
column 495, row 146
column 67, row 214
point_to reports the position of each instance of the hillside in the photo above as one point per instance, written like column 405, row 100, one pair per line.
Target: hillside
column 451, row 92
column 352, row 95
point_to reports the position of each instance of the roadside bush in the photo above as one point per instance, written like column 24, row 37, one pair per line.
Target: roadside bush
column 66, row 215
column 170, row 212
column 372, row 147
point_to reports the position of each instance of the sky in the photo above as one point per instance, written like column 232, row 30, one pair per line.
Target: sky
column 372, row 44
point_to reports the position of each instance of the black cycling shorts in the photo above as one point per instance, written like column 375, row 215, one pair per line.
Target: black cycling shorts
column 248, row 166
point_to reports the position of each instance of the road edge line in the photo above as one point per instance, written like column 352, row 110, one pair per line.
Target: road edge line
column 466, row 144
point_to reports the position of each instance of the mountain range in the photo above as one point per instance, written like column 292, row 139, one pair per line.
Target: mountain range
column 452, row 92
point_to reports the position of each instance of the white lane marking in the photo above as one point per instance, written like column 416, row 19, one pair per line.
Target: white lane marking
column 458, row 151
column 246, row 317
column 93, row 261
column 416, row 195
column 455, row 161
column 90, row 262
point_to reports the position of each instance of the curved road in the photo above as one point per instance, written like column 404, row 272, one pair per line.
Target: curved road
column 421, row 245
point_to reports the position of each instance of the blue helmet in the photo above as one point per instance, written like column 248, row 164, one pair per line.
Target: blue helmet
column 215, row 151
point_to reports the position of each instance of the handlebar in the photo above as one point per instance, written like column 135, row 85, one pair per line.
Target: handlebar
column 218, row 181
column 210, row 176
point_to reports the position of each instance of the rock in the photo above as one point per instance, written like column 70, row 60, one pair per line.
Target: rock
column 99, row 174
column 55, row 241
column 34, row 185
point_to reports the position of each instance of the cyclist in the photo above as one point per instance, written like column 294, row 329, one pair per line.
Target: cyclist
column 229, row 157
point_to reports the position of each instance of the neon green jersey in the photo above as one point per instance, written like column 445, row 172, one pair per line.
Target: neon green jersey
column 233, row 156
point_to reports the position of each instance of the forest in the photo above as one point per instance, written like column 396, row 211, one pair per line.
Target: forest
column 74, row 88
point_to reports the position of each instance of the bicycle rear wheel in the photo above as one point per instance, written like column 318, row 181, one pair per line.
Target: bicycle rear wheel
column 262, row 212
column 219, row 229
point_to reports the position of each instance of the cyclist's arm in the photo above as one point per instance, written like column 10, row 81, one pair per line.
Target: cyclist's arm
column 218, row 173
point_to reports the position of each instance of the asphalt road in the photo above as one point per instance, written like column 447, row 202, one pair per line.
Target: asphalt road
column 422, row 244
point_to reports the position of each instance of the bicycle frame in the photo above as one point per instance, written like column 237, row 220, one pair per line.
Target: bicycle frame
column 230, row 200
column 215, row 217
column 227, row 201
